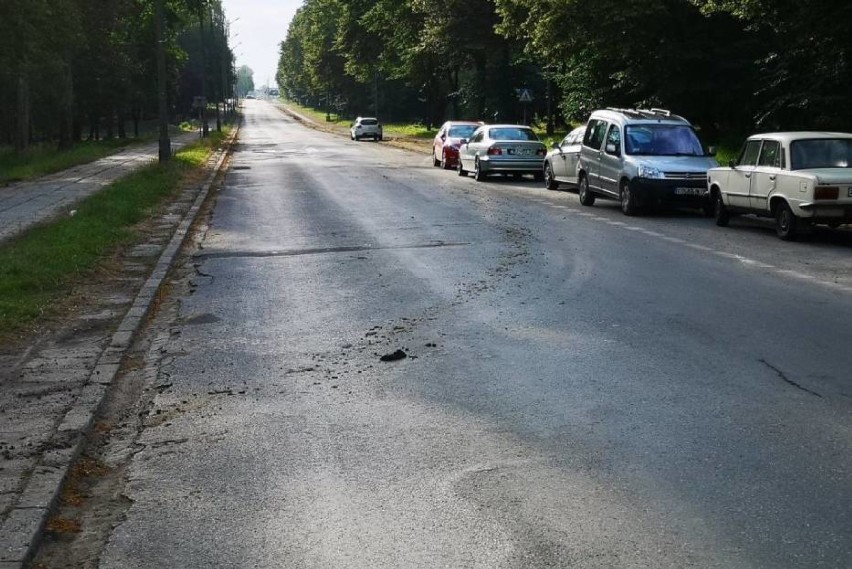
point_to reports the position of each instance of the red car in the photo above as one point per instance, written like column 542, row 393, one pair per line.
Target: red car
column 445, row 147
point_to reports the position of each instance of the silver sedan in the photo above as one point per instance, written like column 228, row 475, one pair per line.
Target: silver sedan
column 560, row 165
column 502, row 148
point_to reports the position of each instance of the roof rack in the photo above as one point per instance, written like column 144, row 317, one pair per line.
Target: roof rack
column 653, row 113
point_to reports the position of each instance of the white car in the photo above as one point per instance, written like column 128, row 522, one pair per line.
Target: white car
column 366, row 127
column 560, row 164
column 795, row 177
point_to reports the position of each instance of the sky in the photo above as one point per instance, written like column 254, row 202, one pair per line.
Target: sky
column 255, row 36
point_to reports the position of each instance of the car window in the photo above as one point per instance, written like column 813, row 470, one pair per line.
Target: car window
column 614, row 137
column 770, row 154
column 748, row 156
column 461, row 131
column 821, row 153
column 661, row 140
column 369, row 122
column 478, row 136
column 511, row 133
column 569, row 140
column 595, row 132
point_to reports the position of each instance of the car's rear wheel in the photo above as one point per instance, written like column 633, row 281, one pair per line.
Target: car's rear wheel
column 786, row 222
column 628, row 199
column 587, row 198
column 478, row 174
column 720, row 212
column 549, row 179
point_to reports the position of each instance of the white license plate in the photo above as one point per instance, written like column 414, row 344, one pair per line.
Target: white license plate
column 689, row 191
column 523, row 152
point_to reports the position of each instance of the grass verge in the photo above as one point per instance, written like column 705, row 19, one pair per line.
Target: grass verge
column 39, row 268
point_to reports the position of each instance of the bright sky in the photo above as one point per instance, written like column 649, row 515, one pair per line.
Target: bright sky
column 262, row 25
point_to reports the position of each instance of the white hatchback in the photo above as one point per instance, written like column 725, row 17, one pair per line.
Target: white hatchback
column 366, row 127
column 794, row 177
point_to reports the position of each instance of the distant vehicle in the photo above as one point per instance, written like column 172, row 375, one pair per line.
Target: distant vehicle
column 795, row 177
column 643, row 158
column 445, row 146
column 250, row 96
column 502, row 148
column 560, row 164
column 366, row 127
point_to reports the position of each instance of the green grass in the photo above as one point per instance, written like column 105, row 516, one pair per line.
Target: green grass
column 39, row 268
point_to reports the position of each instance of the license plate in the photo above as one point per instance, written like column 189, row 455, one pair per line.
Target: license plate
column 689, row 191
column 521, row 151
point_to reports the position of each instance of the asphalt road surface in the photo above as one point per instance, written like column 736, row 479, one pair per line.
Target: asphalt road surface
column 582, row 389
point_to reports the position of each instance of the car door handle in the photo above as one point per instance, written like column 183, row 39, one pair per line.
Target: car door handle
column 747, row 175
column 772, row 177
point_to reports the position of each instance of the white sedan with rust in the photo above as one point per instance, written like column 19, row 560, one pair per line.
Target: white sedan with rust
column 795, row 177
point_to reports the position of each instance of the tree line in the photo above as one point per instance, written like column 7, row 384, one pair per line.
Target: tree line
column 730, row 66
column 87, row 69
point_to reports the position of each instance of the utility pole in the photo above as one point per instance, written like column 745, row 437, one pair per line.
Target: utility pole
column 162, row 104
column 205, row 129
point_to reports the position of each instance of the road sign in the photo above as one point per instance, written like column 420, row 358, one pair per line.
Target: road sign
column 524, row 95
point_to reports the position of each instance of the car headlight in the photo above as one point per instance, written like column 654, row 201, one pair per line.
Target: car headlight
column 649, row 172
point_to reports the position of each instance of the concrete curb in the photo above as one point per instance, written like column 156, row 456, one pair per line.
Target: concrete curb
column 21, row 533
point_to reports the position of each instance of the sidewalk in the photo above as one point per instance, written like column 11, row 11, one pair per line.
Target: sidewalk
column 25, row 204
column 52, row 388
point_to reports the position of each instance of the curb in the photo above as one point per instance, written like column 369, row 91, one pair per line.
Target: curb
column 22, row 531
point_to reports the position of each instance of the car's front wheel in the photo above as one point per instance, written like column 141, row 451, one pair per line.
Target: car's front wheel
column 587, row 198
column 786, row 222
column 720, row 212
column 628, row 199
column 549, row 179
column 435, row 161
column 460, row 169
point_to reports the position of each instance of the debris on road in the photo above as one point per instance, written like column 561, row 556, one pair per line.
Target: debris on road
column 396, row 356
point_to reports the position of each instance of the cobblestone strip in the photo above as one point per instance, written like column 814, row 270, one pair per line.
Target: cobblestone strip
column 21, row 530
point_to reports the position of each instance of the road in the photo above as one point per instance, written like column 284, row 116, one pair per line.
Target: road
column 581, row 389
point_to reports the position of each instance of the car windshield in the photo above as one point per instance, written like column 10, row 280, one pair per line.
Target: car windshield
column 369, row 122
column 821, row 153
column 511, row 133
column 461, row 131
column 662, row 140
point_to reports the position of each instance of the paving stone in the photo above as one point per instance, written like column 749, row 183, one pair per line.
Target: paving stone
column 17, row 532
column 42, row 487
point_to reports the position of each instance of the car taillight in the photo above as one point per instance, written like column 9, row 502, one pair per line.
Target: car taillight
column 826, row 192
column 541, row 152
column 495, row 151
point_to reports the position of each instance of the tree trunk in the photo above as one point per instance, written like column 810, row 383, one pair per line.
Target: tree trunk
column 22, row 132
column 165, row 148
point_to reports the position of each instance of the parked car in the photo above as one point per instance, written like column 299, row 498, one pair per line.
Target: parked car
column 560, row 164
column 445, row 147
column 643, row 158
column 502, row 148
column 794, row 177
column 366, row 127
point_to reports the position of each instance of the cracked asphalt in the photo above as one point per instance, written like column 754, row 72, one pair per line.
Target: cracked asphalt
column 580, row 389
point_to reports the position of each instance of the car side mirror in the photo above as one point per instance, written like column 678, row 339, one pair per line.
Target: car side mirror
column 555, row 145
column 732, row 164
column 711, row 151
column 612, row 149
column 463, row 141
column 443, row 137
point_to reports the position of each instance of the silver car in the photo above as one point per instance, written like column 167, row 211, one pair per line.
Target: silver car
column 366, row 127
column 643, row 157
column 502, row 148
column 560, row 164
